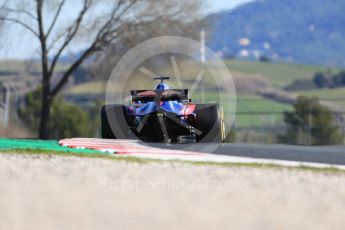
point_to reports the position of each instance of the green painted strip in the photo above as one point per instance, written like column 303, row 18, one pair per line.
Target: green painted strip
column 50, row 145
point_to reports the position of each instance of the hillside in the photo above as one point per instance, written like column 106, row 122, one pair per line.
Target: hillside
column 308, row 31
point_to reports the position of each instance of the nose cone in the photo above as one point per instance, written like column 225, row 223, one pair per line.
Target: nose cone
column 161, row 86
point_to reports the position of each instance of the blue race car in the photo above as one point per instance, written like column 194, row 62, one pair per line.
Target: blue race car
column 163, row 115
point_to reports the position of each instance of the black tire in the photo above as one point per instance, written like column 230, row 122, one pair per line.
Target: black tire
column 114, row 118
column 209, row 120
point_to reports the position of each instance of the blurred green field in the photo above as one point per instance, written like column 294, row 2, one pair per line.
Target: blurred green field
column 249, row 106
column 20, row 66
column 93, row 87
column 279, row 74
column 325, row 93
column 335, row 95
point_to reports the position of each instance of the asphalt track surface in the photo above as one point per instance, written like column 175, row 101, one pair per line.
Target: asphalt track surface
column 334, row 155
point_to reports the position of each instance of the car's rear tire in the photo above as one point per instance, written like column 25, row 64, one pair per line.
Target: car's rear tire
column 114, row 120
column 209, row 120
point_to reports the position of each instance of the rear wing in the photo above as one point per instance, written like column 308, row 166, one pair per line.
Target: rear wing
column 142, row 96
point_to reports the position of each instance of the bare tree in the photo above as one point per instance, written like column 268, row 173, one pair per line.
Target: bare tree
column 104, row 62
column 96, row 25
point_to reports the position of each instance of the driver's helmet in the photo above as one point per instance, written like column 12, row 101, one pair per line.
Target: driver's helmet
column 162, row 86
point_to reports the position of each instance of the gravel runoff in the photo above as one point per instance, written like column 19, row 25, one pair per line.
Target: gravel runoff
column 42, row 192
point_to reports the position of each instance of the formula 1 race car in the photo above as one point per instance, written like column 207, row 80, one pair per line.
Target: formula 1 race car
column 163, row 115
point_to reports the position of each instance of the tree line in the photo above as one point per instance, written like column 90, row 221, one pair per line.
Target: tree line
column 320, row 80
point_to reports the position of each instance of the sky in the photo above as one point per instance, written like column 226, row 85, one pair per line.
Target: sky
column 17, row 44
column 218, row 5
